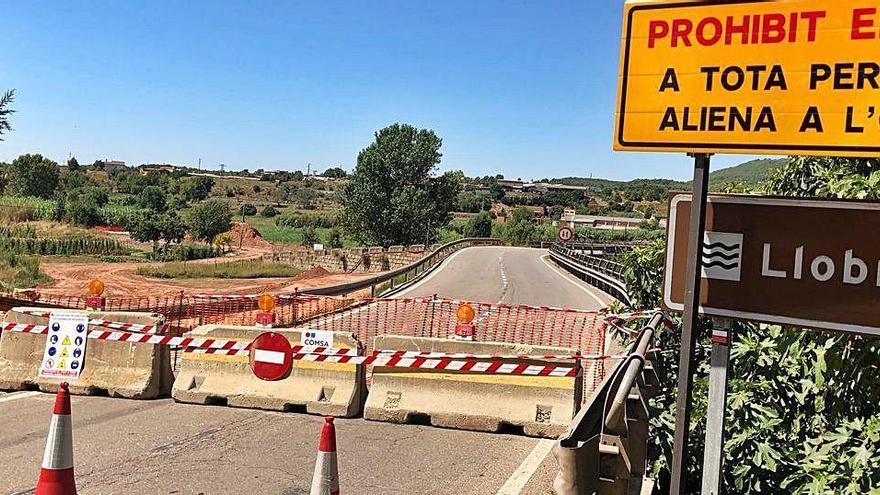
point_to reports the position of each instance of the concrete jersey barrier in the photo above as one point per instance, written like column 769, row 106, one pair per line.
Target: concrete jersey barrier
column 541, row 405
column 311, row 387
column 118, row 369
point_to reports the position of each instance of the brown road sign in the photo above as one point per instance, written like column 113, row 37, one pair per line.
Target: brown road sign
column 808, row 263
column 739, row 76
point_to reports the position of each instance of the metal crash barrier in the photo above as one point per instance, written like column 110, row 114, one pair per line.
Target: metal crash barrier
column 605, row 448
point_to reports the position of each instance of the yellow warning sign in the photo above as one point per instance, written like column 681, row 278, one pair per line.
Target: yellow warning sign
column 61, row 365
column 66, row 340
column 64, row 352
column 782, row 77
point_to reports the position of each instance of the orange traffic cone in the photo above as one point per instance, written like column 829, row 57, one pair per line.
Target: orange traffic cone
column 326, row 479
column 56, row 473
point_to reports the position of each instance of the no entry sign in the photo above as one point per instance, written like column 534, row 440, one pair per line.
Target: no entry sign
column 271, row 356
column 808, row 263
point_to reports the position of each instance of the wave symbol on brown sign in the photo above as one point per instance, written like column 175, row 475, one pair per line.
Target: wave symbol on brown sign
column 722, row 256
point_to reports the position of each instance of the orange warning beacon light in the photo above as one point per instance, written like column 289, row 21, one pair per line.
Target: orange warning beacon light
column 266, row 314
column 96, row 288
column 464, row 330
column 465, row 313
column 266, row 302
column 96, row 291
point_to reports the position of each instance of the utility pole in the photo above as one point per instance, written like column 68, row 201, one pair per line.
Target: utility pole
column 200, row 164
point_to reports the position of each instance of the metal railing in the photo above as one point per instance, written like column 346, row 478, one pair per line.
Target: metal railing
column 395, row 280
column 598, row 271
column 605, row 450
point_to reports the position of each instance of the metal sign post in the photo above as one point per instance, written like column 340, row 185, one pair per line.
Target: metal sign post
column 690, row 319
column 713, row 457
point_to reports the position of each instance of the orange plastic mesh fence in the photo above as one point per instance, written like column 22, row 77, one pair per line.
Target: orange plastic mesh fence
column 367, row 318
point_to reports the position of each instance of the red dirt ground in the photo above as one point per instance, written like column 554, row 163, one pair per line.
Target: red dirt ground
column 121, row 280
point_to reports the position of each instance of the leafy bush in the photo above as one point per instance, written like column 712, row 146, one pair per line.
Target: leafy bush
column 248, row 210
column 602, row 235
column 803, row 411
column 269, row 211
column 334, row 238
column 479, row 226
column 82, row 206
column 184, row 252
column 309, row 236
column 17, row 271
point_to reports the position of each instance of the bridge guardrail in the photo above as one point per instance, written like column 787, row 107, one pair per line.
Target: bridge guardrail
column 598, row 271
column 395, row 280
column 605, row 448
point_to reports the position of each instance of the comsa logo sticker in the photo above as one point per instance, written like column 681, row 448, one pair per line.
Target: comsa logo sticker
column 722, row 256
column 317, row 339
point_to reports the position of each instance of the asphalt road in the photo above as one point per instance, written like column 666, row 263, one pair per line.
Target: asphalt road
column 127, row 446
column 509, row 275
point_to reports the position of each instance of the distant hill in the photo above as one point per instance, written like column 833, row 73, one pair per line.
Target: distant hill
column 600, row 184
column 750, row 173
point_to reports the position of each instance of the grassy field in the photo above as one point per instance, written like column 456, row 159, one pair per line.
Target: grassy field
column 236, row 269
column 288, row 235
column 17, row 271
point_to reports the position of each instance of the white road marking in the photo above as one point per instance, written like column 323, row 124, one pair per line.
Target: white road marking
column 430, row 275
column 518, row 480
column 19, row 395
column 567, row 276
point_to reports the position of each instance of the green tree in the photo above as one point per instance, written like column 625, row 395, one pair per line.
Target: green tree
column 309, row 236
column 153, row 198
column 83, row 206
column 72, row 164
column 305, row 197
column 392, row 196
column 479, row 226
column 6, row 112
column 4, row 167
column 208, row 219
column 33, row 175
column 145, row 226
column 334, row 238
column 519, row 228
column 173, row 228
column 196, row 188
column 335, row 173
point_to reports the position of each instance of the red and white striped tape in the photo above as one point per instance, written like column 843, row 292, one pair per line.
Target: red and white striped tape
column 190, row 344
column 115, row 325
column 463, row 355
column 489, row 367
column 297, row 349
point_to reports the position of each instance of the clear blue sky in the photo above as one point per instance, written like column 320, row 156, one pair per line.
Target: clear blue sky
column 526, row 89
